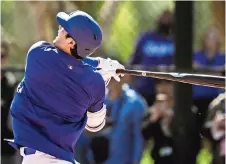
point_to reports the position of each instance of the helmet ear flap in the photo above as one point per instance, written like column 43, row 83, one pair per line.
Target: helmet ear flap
column 74, row 52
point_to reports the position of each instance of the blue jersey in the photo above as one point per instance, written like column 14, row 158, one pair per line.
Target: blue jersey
column 49, row 108
column 217, row 62
column 151, row 50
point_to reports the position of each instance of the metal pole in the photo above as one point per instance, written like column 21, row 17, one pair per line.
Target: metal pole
column 184, row 132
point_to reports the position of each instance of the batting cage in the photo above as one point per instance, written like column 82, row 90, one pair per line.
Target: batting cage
column 113, row 82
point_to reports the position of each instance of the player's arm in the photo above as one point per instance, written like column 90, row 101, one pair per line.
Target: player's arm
column 96, row 112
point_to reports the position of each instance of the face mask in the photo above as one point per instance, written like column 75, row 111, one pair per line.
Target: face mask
column 164, row 28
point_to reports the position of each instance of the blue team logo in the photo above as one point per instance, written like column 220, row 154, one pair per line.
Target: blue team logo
column 70, row 66
column 49, row 49
column 152, row 48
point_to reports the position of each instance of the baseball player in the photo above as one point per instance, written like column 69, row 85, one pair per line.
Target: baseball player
column 62, row 93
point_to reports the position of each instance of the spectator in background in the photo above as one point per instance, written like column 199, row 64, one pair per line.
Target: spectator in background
column 8, row 85
column 99, row 145
column 126, row 109
column 215, row 124
column 158, row 126
column 209, row 57
column 82, row 149
column 154, row 48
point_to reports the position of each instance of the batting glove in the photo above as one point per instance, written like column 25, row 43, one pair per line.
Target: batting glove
column 108, row 69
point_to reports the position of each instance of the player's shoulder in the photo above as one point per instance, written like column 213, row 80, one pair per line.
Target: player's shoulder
column 39, row 44
column 44, row 46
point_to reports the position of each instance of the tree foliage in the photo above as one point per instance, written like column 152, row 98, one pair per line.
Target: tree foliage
column 122, row 25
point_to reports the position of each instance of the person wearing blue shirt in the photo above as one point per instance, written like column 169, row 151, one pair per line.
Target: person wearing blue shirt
column 153, row 49
column 126, row 108
column 82, row 149
column 61, row 93
column 209, row 57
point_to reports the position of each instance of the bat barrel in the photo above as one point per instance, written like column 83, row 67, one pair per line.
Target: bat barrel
column 196, row 79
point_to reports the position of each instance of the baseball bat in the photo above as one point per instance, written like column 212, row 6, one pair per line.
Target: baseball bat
column 196, row 79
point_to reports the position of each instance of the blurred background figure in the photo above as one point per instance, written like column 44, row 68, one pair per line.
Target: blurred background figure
column 99, row 145
column 8, row 84
column 126, row 109
column 154, row 48
column 158, row 125
column 139, row 33
column 215, row 124
column 208, row 59
column 82, row 149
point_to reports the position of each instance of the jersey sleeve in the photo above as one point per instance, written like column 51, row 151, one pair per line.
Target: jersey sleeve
column 41, row 59
column 97, row 105
column 41, row 52
column 41, row 48
column 36, row 45
column 98, row 95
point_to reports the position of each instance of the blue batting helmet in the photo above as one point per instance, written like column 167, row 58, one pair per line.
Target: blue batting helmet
column 83, row 29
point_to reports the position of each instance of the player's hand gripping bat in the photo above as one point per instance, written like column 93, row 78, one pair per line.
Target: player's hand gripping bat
column 196, row 79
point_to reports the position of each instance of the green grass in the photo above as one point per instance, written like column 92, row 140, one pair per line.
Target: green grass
column 204, row 157
column 146, row 159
